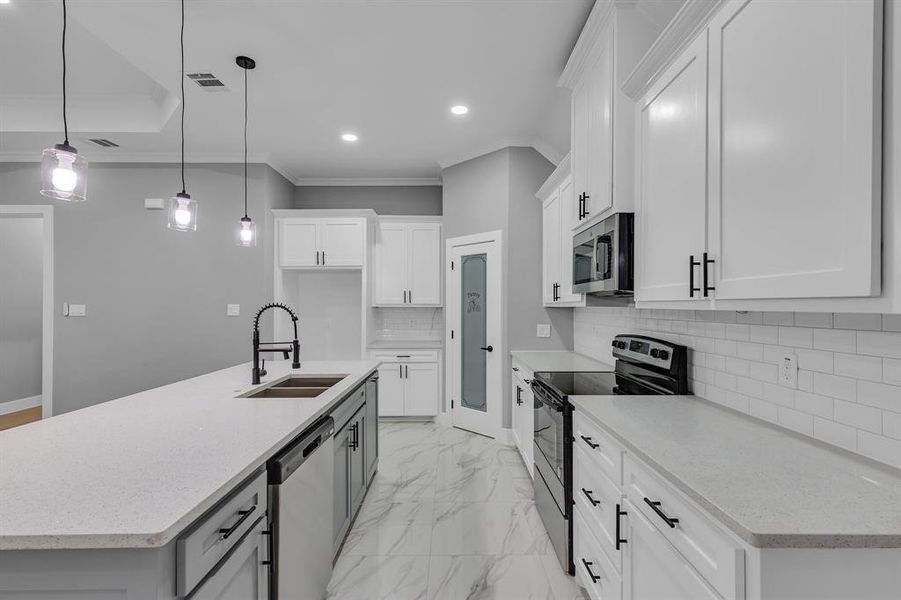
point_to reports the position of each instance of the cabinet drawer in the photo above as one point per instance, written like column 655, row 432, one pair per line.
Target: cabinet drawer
column 716, row 557
column 401, row 355
column 594, row 570
column 217, row 532
column 606, row 453
column 522, row 372
column 598, row 499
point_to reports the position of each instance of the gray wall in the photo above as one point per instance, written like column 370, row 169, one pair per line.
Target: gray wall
column 155, row 298
column 384, row 200
column 497, row 191
column 21, row 297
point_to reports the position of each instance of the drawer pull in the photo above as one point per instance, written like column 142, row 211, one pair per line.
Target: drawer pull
column 590, row 499
column 619, row 513
column 587, row 565
column 226, row 533
column 671, row 521
column 588, row 441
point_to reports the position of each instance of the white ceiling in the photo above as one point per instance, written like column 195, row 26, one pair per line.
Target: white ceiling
column 388, row 70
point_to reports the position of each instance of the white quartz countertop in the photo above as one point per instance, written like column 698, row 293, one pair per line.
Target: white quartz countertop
column 135, row 472
column 558, row 360
column 773, row 488
column 406, row 344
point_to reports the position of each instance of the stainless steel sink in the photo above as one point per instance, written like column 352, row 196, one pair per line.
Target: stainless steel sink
column 298, row 387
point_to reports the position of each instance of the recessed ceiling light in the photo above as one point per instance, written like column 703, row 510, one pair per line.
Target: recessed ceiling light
column 5, row 1
column 459, row 109
column 349, row 137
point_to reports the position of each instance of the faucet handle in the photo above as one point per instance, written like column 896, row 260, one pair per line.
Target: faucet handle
column 263, row 368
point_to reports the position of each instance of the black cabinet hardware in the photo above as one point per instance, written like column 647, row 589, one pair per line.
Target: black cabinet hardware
column 590, row 498
column 692, row 263
column 585, row 198
column 707, row 288
column 581, row 199
column 594, row 578
column 518, row 396
column 410, row 295
column 355, row 440
column 487, row 348
column 406, row 371
column 516, row 369
column 317, row 257
column 619, row 513
column 226, row 533
column 405, row 296
column 527, row 381
column 402, row 355
column 671, row 521
column 323, row 257
column 400, row 371
column 588, row 441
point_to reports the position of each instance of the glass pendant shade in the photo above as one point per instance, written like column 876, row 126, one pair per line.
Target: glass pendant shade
column 64, row 174
column 182, row 212
column 247, row 233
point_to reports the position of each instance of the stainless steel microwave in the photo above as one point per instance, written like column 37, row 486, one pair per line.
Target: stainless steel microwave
column 602, row 257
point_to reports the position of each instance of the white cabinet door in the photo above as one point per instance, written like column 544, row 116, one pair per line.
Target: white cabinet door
column 391, row 390
column 390, row 264
column 795, row 123
column 565, row 293
column 581, row 133
column 672, row 175
column 342, row 242
column 600, row 142
column 653, row 568
column 424, row 260
column 550, row 239
column 421, row 393
column 299, row 243
column 244, row 575
column 525, row 428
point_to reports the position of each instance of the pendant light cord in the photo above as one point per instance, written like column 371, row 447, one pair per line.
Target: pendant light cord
column 245, row 143
column 65, row 119
column 182, row 48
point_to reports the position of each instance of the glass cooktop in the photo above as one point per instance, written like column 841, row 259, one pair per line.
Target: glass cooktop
column 591, row 383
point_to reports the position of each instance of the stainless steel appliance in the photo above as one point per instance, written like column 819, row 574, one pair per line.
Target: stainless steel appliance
column 300, row 504
column 602, row 257
column 644, row 366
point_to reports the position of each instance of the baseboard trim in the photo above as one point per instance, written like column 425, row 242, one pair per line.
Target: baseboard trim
column 12, row 406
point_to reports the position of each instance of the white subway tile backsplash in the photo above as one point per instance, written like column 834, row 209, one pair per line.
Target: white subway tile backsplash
column 838, row 340
column 849, row 380
column 857, row 321
column 858, row 367
column 858, row 416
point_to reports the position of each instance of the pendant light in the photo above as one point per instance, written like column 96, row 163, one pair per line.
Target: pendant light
column 182, row 209
column 247, row 229
column 63, row 172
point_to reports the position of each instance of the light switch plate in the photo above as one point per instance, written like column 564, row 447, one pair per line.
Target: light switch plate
column 233, row 310
column 74, row 310
column 543, row 330
column 788, row 371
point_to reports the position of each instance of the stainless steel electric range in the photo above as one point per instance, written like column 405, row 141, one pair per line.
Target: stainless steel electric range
column 643, row 366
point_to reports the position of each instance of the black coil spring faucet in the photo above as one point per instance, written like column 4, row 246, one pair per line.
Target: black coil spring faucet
column 258, row 369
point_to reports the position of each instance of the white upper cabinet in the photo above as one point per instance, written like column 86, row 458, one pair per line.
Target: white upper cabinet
column 672, row 180
column 613, row 39
column 407, row 263
column 556, row 239
column 321, row 242
column 795, row 158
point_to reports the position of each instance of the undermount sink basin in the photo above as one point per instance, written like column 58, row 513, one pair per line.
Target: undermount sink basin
column 298, row 387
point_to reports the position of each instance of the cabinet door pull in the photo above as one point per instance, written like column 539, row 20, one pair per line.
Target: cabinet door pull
column 671, row 521
column 323, row 257
column 588, row 441
column 692, row 263
column 317, row 257
column 580, row 206
column 518, row 396
column 227, row 532
column 585, row 198
column 594, row 578
column 619, row 513
column 707, row 288
column 410, row 295
column 400, row 371
column 590, row 497
column 406, row 371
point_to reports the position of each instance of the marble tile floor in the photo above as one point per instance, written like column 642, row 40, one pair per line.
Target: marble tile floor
column 449, row 516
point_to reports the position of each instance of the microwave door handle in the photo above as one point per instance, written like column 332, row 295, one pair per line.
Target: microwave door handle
column 594, row 256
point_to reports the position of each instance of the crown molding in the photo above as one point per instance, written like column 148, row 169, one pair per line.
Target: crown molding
column 563, row 170
column 585, row 48
column 366, row 181
column 681, row 30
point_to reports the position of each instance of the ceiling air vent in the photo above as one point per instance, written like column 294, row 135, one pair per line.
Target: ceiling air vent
column 103, row 142
column 207, row 81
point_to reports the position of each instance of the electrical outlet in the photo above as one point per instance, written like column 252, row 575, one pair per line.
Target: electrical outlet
column 788, row 371
column 154, row 203
column 543, row 330
column 74, row 310
column 233, row 310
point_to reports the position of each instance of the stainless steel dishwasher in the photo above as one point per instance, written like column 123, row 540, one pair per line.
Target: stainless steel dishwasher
column 301, row 486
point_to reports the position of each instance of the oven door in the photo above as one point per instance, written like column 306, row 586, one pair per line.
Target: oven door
column 549, row 432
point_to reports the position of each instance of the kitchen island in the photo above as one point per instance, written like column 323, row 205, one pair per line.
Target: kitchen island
column 104, row 492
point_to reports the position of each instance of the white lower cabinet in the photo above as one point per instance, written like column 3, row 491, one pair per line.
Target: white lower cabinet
column 523, row 415
column 594, row 571
column 409, row 383
column 653, row 569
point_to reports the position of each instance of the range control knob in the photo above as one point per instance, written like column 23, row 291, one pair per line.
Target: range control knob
column 663, row 355
column 621, row 345
column 654, row 353
column 614, row 343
